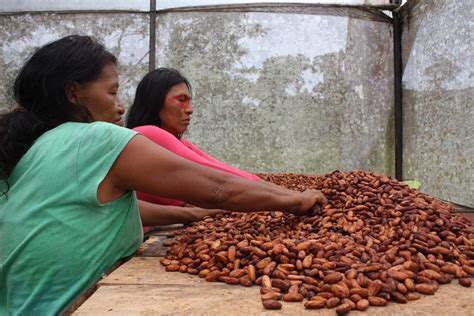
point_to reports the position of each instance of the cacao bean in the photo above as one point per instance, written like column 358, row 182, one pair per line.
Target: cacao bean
column 426, row 288
column 314, row 304
column 377, row 301
column 343, row 309
column 271, row 304
column 332, row 302
column 466, row 282
column 293, row 297
column 362, row 305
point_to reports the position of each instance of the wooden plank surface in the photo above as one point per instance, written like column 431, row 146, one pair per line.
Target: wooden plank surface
column 196, row 298
column 142, row 286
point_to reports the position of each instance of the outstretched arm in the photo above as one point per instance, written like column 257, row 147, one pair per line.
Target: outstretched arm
column 157, row 215
column 143, row 166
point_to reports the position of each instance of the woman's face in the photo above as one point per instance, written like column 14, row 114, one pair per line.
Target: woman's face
column 100, row 96
column 176, row 112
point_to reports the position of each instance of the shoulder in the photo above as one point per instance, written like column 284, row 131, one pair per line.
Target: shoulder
column 156, row 134
column 150, row 130
column 90, row 136
column 106, row 133
column 104, row 126
column 73, row 128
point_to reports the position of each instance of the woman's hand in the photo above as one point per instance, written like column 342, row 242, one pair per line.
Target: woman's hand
column 311, row 200
column 198, row 213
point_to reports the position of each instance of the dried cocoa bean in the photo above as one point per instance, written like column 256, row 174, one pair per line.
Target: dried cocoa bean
column 314, row 304
column 468, row 269
column 427, row 288
column 245, row 281
column 263, row 263
column 213, row 276
column 251, row 273
column 293, row 297
column 343, row 309
column 269, row 268
column 230, row 280
column 333, row 302
column 430, row 274
column 374, row 288
column 340, row 290
column 271, row 296
column 266, row 282
column 410, row 285
column 399, row 297
column 466, row 282
column 172, row 267
column 377, row 301
column 326, row 295
column 283, row 285
column 445, row 279
column 364, row 293
column 362, row 305
column 265, row 290
column 271, row 304
column 412, row 296
column 332, row 278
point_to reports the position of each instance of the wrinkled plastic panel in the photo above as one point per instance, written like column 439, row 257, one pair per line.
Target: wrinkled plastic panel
column 438, row 98
column 286, row 92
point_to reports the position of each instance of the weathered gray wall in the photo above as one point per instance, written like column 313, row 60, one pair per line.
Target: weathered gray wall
column 124, row 34
column 303, row 89
column 291, row 91
column 438, row 91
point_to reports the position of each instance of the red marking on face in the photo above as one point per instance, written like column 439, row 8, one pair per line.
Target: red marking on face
column 177, row 111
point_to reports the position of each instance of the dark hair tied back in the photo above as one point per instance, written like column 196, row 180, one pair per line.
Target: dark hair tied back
column 151, row 94
column 40, row 92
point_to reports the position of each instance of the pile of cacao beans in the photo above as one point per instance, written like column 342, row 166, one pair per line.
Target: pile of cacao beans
column 376, row 241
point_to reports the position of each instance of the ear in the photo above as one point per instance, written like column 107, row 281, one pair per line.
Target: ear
column 72, row 91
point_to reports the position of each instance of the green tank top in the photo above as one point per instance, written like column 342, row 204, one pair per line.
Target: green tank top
column 56, row 240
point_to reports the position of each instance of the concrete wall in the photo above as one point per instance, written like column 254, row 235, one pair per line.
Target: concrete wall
column 124, row 34
column 296, row 90
column 438, row 91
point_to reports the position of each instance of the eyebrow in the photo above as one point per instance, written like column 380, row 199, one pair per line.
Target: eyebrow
column 182, row 95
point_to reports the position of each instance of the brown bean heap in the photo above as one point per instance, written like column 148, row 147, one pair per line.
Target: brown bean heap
column 376, row 241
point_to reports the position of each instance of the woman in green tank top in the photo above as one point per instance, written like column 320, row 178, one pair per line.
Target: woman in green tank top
column 68, row 175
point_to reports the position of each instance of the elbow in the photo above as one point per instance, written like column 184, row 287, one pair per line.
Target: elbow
column 220, row 196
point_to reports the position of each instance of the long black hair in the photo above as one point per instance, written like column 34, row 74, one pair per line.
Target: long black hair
column 40, row 92
column 151, row 94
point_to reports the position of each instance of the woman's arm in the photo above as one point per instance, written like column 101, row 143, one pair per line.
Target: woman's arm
column 143, row 166
column 156, row 214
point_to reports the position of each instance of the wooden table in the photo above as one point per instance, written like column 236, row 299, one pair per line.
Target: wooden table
column 142, row 286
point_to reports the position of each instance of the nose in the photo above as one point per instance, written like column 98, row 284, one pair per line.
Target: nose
column 121, row 108
column 188, row 108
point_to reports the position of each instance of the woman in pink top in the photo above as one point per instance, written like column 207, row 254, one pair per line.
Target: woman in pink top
column 162, row 112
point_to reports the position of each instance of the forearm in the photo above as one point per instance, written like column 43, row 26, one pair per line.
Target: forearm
column 245, row 196
column 157, row 215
